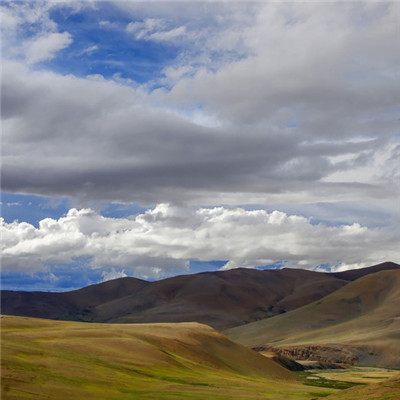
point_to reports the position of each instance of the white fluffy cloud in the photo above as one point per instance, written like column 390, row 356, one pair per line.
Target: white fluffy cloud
column 165, row 238
column 45, row 46
column 44, row 39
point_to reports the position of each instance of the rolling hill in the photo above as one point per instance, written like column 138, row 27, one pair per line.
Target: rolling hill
column 74, row 360
column 361, row 319
column 219, row 299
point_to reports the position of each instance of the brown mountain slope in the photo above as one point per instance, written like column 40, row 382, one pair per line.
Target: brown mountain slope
column 220, row 299
column 68, row 305
column 106, row 291
column 363, row 317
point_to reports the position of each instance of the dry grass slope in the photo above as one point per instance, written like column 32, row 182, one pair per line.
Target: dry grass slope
column 72, row 360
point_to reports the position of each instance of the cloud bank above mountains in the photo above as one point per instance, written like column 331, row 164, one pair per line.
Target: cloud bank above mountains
column 203, row 105
column 166, row 238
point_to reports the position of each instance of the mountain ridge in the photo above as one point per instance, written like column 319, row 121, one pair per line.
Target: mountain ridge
column 248, row 295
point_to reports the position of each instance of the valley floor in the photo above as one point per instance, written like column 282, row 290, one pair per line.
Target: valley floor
column 43, row 359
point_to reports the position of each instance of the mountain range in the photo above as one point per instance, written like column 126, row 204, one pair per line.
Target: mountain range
column 222, row 299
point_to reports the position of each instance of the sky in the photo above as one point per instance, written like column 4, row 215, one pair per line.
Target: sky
column 151, row 139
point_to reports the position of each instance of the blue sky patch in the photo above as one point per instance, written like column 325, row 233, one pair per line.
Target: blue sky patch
column 31, row 208
column 56, row 278
column 101, row 45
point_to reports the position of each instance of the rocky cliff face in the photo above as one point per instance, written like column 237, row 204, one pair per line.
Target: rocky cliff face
column 347, row 355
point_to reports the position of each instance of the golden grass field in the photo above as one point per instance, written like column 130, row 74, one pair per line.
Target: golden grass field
column 72, row 360
column 45, row 359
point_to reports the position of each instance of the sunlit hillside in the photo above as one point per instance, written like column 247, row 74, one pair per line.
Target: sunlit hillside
column 70, row 360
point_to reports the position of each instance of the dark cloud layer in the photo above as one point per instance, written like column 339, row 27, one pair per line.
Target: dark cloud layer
column 100, row 140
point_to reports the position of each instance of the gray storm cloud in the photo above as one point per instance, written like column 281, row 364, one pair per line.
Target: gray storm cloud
column 308, row 100
column 101, row 140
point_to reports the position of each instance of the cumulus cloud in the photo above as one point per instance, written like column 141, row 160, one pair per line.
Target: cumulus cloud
column 45, row 46
column 166, row 238
column 42, row 40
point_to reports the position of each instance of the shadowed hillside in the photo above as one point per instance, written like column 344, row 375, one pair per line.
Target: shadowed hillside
column 220, row 299
column 363, row 318
column 41, row 358
column 68, row 305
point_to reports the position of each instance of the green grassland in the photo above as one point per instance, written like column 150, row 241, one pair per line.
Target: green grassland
column 43, row 359
column 348, row 378
column 385, row 390
column 363, row 375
